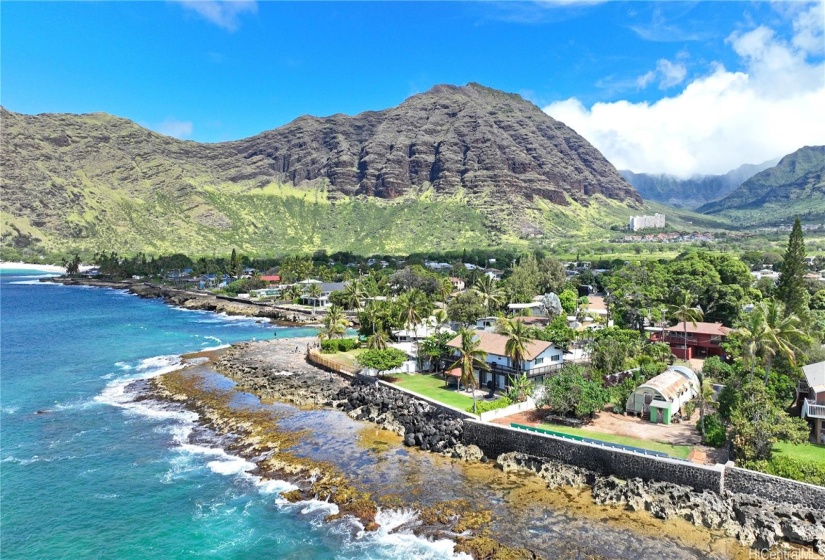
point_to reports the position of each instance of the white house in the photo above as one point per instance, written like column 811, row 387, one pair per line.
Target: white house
column 326, row 289
column 487, row 323
column 542, row 358
column 420, row 331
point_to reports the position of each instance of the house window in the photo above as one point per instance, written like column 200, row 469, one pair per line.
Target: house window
column 539, row 361
column 555, row 358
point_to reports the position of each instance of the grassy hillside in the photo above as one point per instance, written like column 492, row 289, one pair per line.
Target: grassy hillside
column 794, row 187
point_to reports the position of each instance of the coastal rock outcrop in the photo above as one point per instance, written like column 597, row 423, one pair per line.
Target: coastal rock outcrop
column 752, row 521
column 421, row 424
column 274, row 370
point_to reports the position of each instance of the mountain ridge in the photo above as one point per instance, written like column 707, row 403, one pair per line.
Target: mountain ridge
column 693, row 191
column 793, row 187
column 503, row 167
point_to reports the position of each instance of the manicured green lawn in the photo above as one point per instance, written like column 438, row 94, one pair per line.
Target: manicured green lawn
column 680, row 451
column 803, row 452
column 348, row 359
column 432, row 387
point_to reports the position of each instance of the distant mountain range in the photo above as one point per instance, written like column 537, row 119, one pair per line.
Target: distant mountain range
column 453, row 167
column 693, row 192
column 794, row 187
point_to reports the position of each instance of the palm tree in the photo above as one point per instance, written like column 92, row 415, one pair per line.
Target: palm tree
column 781, row 330
column 470, row 358
column 292, row 292
column 490, row 293
column 414, row 304
column 353, row 294
column 372, row 314
column 334, row 323
column 685, row 312
column 441, row 319
column 518, row 338
column 378, row 341
column 445, row 288
column 753, row 336
column 314, row 292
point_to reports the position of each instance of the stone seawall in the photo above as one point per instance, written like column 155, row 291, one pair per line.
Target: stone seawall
column 773, row 488
column 495, row 440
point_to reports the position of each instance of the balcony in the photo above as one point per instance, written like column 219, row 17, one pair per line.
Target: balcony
column 536, row 371
column 812, row 410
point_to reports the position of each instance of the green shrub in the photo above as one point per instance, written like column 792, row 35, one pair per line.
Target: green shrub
column 689, row 408
column 486, row 406
column 333, row 345
column 347, row 344
column 811, row 472
column 715, row 433
column 329, row 346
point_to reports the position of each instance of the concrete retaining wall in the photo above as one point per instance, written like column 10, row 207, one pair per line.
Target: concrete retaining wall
column 495, row 440
column 774, row 488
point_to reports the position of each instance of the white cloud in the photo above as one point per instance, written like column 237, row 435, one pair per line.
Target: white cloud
column 223, row 13
column 669, row 74
column 672, row 74
column 722, row 119
column 175, row 128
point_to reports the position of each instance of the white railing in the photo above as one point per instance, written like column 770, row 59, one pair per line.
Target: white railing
column 812, row 410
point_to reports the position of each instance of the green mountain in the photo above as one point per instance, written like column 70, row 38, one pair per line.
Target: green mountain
column 692, row 192
column 794, row 187
column 453, row 167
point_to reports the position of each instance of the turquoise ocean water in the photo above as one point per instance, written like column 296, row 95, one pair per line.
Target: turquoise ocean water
column 87, row 471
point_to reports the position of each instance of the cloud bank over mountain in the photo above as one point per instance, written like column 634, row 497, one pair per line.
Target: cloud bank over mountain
column 772, row 106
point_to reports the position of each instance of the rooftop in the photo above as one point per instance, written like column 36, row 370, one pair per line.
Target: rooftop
column 815, row 374
column 494, row 343
column 717, row 329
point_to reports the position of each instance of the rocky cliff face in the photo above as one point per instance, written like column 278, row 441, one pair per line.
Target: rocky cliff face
column 97, row 181
column 450, row 137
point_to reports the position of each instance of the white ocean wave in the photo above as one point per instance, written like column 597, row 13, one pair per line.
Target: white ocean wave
column 35, row 282
column 9, row 409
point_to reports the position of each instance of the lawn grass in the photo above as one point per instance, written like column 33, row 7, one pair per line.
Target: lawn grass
column 432, row 387
column 347, row 359
column 679, row 451
column 802, row 452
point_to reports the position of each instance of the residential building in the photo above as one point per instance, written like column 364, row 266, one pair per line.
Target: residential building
column 458, row 283
column 423, row 330
column 811, row 395
column 271, row 278
column 703, row 339
column 659, row 398
column 542, row 358
column 326, row 289
column 487, row 323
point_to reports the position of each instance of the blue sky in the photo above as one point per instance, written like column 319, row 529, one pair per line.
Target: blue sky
column 213, row 71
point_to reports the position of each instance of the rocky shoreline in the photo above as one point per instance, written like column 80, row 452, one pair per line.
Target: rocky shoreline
column 195, row 300
column 273, row 371
column 265, row 370
column 754, row 522
column 258, row 439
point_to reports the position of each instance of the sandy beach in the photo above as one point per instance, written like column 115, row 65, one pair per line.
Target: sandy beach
column 50, row 268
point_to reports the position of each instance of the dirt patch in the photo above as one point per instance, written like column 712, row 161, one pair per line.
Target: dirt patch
column 683, row 433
